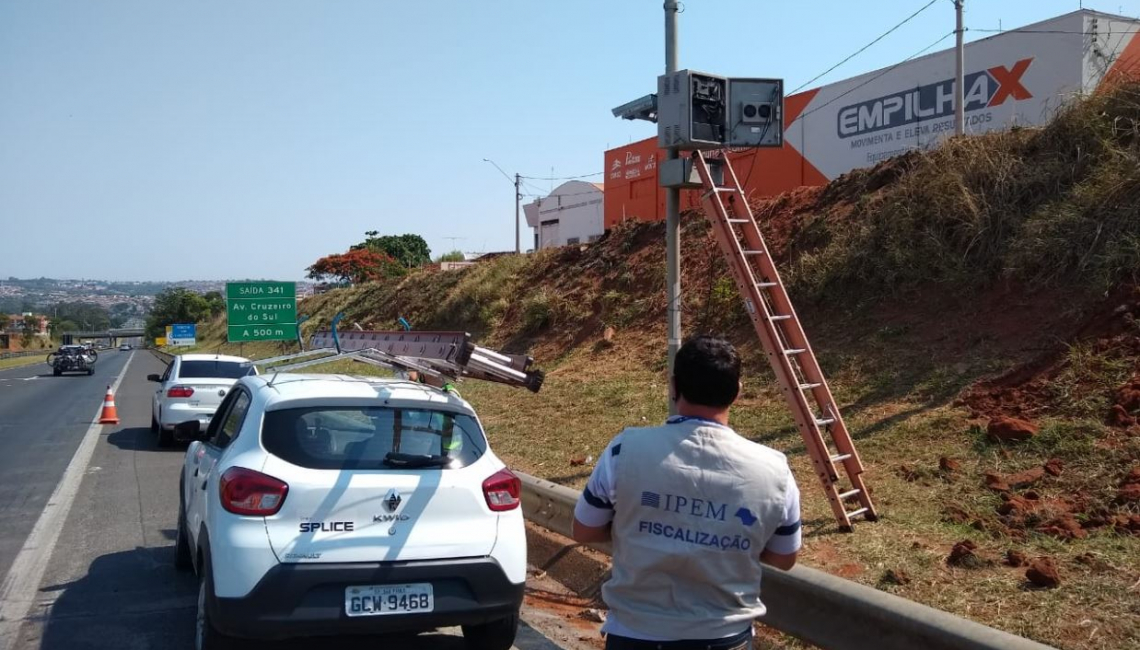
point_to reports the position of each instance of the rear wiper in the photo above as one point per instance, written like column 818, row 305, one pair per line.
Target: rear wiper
column 414, row 461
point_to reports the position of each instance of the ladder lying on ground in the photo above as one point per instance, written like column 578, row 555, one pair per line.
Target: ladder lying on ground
column 785, row 343
column 445, row 355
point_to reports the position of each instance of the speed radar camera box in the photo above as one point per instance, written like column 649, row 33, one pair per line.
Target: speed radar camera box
column 755, row 113
column 692, row 110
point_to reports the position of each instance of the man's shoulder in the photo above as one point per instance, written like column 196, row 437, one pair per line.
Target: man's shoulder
column 762, row 452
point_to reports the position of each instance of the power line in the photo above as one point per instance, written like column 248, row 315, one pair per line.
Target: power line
column 561, row 178
column 881, row 74
column 864, row 48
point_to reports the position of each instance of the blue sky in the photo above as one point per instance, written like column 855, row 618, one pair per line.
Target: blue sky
column 220, row 139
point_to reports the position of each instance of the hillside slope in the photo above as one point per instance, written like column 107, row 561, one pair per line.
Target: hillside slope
column 944, row 292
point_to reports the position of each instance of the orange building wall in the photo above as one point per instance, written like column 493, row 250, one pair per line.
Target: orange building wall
column 631, row 185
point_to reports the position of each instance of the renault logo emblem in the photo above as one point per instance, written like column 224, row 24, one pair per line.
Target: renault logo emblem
column 392, row 500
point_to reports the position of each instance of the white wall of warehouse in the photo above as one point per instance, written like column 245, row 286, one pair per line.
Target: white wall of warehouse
column 571, row 214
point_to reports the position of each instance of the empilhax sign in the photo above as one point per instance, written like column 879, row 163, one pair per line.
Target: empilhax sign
column 985, row 89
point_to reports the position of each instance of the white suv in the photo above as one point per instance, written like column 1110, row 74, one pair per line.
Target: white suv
column 191, row 389
column 322, row 505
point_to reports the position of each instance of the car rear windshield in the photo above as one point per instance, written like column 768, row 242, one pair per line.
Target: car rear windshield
column 209, row 368
column 373, row 438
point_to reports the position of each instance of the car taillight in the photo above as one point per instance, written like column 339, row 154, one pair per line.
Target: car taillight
column 180, row 391
column 246, row 492
column 502, row 490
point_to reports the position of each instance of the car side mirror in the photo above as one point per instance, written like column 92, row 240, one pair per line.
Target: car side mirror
column 191, row 429
column 153, row 378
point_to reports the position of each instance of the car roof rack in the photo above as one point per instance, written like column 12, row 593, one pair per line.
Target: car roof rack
column 448, row 355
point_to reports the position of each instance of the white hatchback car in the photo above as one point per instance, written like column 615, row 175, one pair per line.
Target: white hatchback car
column 191, row 389
column 324, row 505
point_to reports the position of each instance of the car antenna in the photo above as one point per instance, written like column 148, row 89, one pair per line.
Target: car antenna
column 272, row 379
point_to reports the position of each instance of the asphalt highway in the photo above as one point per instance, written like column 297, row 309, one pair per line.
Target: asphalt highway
column 88, row 550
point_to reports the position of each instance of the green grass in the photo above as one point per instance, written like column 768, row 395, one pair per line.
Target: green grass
column 20, row 362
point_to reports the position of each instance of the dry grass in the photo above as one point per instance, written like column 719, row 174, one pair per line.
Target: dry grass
column 578, row 412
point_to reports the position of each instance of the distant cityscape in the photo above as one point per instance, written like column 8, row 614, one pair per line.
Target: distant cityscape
column 133, row 298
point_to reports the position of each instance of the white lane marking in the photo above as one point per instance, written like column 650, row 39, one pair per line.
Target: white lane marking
column 18, row 592
column 32, row 378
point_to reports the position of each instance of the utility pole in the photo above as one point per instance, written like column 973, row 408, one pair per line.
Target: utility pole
column 672, row 213
column 960, row 73
column 518, row 200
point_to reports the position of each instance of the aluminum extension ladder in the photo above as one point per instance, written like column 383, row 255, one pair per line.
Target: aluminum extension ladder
column 446, row 355
column 785, row 343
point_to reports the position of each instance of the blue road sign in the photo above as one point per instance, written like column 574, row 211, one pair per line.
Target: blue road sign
column 183, row 331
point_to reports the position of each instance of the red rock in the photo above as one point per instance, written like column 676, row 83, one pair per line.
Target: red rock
column 1119, row 417
column 955, row 515
column 895, row 577
column 1013, row 504
column 1043, row 573
column 1016, row 558
column 995, row 482
column 1064, row 527
column 1130, row 493
column 949, row 464
column 1026, row 478
column 1006, row 429
column 1054, row 467
column 908, row 473
column 963, row 555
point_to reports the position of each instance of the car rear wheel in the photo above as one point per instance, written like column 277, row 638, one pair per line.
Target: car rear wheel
column 153, row 424
column 165, row 437
column 496, row 635
column 205, row 636
column 182, row 559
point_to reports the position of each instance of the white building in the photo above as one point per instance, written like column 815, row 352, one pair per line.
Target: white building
column 571, row 214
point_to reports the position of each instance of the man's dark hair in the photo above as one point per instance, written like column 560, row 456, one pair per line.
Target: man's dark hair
column 707, row 371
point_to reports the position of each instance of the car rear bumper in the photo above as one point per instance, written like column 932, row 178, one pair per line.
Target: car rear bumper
column 307, row 599
column 179, row 413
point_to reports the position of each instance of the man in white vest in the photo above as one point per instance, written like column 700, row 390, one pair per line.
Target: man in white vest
column 692, row 509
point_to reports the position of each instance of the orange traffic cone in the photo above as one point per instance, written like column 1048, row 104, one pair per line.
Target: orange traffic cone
column 110, row 415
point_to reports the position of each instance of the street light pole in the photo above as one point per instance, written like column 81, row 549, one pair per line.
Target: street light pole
column 959, row 73
column 672, row 213
column 516, row 181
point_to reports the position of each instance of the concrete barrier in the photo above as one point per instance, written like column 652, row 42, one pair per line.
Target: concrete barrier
column 164, row 357
column 818, row 607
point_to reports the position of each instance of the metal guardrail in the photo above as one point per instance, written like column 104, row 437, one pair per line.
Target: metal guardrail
column 25, row 353
column 165, row 357
column 817, row 607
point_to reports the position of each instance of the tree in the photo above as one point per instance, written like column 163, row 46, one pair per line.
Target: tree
column 356, row 266
column 216, row 301
column 85, row 315
column 453, row 256
column 176, row 305
column 409, row 250
column 31, row 326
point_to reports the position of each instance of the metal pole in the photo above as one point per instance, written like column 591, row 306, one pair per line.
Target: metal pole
column 672, row 213
column 518, row 198
column 959, row 76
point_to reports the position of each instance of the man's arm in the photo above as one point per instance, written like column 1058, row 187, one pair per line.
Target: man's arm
column 594, row 512
column 584, row 534
column 786, row 540
column 779, row 560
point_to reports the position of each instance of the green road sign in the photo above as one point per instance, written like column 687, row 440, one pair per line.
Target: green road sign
column 238, row 333
column 246, row 290
column 261, row 311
